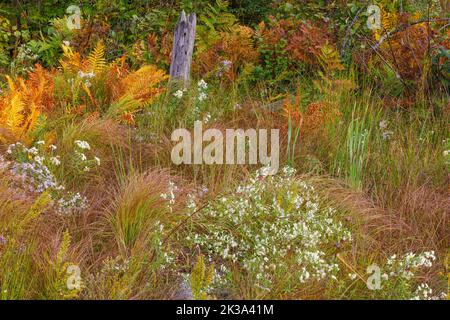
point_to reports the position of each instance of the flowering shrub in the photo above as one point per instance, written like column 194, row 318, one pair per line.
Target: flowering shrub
column 202, row 86
column 33, row 168
column 275, row 229
column 398, row 278
column 400, row 273
column 35, row 172
column 424, row 292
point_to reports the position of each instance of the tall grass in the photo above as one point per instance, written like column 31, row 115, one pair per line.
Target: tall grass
column 352, row 155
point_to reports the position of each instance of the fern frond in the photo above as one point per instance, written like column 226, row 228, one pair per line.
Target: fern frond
column 89, row 94
column 14, row 115
column 142, row 84
column 216, row 19
column 389, row 20
column 126, row 104
column 11, row 84
column 31, row 120
column 71, row 61
column 96, row 59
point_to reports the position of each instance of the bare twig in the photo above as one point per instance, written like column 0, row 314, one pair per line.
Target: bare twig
column 349, row 28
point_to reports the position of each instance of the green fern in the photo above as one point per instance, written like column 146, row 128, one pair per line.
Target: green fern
column 214, row 20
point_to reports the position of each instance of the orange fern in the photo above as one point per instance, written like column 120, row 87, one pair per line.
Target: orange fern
column 141, row 84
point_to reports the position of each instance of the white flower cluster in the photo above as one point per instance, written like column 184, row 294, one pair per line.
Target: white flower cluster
column 190, row 203
column 115, row 265
column 446, row 152
column 207, row 118
column 385, row 133
column 224, row 66
column 4, row 165
column 34, row 169
column 25, row 59
column 85, row 77
column 170, row 195
column 25, row 53
column 71, row 203
column 83, row 145
column 82, row 160
column 269, row 219
column 406, row 266
column 202, row 86
column 424, row 292
column 36, row 176
column 178, row 94
column 400, row 272
column 165, row 256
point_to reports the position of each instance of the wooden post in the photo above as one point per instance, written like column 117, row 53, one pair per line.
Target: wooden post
column 183, row 47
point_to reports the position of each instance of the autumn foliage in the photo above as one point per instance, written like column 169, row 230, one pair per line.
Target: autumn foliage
column 299, row 41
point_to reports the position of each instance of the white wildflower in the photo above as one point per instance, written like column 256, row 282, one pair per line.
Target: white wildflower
column 352, row 276
column 202, row 96
column 383, row 124
column 202, row 85
column 178, row 94
column 33, row 151
column 55, row 161
column 82, row 144
column 81, row 155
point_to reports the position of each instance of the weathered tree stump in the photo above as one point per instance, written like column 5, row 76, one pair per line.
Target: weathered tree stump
column 183, row 47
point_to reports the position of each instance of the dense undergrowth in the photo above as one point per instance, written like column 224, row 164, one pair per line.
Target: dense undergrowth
column 92, row 207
